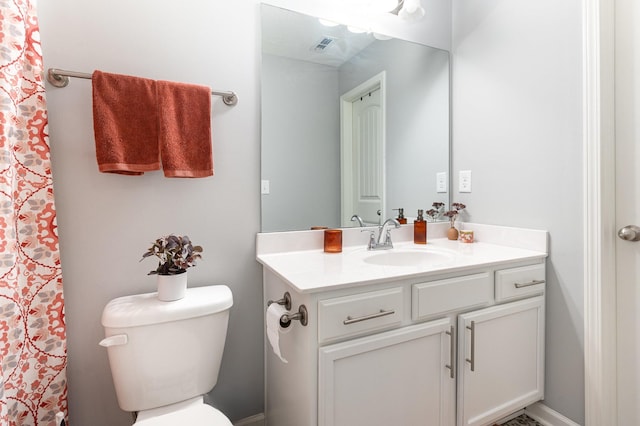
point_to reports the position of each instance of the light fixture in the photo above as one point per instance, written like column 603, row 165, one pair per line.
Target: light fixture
column 328, row 23
column 409, row 10
column 356, row 30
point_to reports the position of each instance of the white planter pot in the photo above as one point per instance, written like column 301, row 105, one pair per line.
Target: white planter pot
column 172, row 287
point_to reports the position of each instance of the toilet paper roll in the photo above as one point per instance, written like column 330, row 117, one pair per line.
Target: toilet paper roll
column 274, row 312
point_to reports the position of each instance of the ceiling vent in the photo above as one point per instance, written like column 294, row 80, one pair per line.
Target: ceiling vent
column 323, row 44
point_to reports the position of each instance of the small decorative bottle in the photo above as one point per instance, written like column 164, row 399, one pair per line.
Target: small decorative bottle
column 420, row 229
column 401, row 219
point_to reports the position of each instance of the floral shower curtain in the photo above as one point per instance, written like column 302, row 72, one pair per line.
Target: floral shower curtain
column 33, row 350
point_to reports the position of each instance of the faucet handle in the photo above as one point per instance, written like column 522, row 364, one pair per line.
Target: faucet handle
column 387, row 238
column 372, row 238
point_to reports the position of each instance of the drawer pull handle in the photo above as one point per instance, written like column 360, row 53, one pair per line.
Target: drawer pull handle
column 452, row 354
column 530, row 283
column 382, row 313
column 472, row 359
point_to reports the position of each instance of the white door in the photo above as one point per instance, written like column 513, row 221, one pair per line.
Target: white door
column 399, row 377
column 500, row 360
column 368, row 157
column 362, row 116
column 627, row 107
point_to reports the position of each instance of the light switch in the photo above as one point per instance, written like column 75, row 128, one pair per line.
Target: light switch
column 441, row 182
column 464, row 179
column 264, row 187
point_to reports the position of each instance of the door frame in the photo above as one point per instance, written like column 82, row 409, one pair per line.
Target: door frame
column 346, row 143
column 599, row 212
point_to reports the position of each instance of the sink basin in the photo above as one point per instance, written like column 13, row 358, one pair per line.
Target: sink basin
column 409, row 257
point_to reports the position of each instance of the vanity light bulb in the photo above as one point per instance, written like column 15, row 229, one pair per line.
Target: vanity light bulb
column 410, row 6
column 356, row 30
column 328, row 23
column 411, row 11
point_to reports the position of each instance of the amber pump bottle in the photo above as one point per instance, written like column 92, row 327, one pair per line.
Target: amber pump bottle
column 401, row 219
column 420, row 229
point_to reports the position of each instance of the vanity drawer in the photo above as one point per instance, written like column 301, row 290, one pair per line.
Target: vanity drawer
column 516, row 283
column 359, row 313
column 440, row 297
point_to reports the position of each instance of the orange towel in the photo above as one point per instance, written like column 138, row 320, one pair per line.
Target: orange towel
column 185, row 129
column 125, row 123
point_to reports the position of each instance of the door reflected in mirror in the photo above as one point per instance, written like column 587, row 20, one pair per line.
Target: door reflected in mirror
column 351, row 124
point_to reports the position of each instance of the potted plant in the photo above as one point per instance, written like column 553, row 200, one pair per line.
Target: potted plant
column 176, row 253
column 452, row 214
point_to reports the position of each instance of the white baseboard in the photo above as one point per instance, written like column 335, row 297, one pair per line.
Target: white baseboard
column 547, row 417
column 257, row 420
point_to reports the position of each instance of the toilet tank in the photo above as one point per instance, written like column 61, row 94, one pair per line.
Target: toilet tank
column 161, row 353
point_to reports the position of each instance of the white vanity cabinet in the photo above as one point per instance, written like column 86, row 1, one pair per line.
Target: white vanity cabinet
column 501, row 360
column 444, row 350
column 390, row 378
column 442, row 334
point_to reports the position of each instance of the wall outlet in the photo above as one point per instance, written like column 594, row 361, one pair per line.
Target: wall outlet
column 441, row 182
column 464, row 179
column 264, row 187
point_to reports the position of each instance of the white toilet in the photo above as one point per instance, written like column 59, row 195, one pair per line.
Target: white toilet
column 165, row 356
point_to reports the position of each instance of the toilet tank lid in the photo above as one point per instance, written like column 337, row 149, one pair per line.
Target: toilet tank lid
column 146, row 309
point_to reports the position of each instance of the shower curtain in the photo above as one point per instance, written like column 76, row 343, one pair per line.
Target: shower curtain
column 33, row 353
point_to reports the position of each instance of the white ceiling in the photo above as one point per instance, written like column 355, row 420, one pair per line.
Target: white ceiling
column 294, row 35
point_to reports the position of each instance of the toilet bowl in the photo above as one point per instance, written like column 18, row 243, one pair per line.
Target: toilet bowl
column 193, row 413
column 164, row 356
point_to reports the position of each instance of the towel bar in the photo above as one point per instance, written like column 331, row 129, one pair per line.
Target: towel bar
column 60, row 78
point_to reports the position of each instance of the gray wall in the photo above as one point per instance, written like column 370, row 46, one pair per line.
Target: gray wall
column 107, row 221
column 517, row 126
column 300, row 144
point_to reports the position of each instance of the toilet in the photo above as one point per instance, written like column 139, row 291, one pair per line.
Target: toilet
column 164, row 356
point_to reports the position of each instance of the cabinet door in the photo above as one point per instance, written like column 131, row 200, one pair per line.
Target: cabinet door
column 399, row 377
column 501, row 360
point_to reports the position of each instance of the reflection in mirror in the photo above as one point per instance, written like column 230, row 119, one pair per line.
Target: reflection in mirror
column 351, row 124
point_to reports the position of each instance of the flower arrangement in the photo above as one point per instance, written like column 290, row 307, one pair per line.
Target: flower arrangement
column 438, row 205
column 435, row 212
column 454, row 212
column 176, row 254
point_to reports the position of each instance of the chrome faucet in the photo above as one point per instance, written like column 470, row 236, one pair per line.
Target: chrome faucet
column 359, row 219
column 384, row 237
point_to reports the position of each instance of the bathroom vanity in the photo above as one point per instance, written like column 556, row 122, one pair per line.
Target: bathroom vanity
column 443, row 334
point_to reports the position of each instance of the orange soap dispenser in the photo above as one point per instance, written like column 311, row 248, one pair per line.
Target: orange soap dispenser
column 401, row 219
column 420, row 229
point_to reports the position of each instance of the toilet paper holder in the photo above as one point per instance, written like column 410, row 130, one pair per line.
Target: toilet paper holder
column 285, row 301
column 302, row 315
column 285, row 320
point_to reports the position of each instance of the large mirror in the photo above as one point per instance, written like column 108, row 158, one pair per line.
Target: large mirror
column 352, row 123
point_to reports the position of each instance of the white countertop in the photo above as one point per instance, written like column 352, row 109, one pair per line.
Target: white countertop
column 309, row 269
